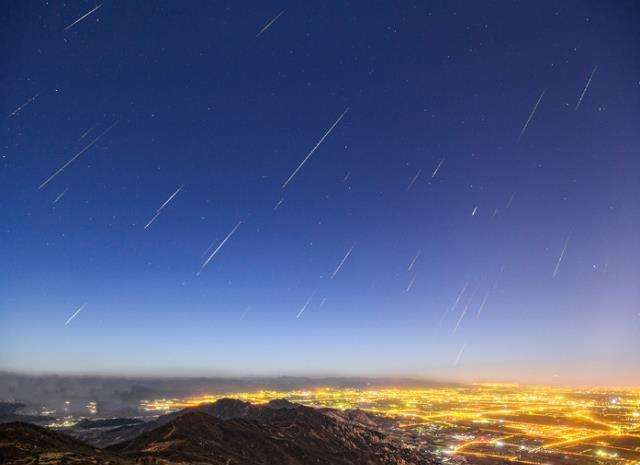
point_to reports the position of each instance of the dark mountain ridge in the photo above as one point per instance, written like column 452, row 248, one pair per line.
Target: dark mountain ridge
column 227, row 432
column 25, row 443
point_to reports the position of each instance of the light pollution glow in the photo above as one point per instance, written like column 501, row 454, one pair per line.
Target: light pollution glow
column 501, row 422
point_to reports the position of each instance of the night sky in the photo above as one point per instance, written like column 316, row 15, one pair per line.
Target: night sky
column 527, row 241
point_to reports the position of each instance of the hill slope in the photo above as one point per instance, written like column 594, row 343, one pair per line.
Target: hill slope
column 24, row 443
column 293, row 436
column 227, row 432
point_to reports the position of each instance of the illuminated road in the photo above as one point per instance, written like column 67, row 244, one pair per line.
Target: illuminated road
column 488, row 423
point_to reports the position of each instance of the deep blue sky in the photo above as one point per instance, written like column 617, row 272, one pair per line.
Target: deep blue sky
column 200, row 102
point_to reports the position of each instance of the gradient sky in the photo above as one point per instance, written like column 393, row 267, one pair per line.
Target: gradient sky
column 201, row 102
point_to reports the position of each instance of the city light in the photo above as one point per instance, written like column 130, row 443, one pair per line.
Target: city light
column 499, row 423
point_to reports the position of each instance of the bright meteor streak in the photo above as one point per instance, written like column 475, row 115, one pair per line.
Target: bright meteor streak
column 584, row 91
column 342, row 262
column 535, row 107
column 433, row 175
column 159, row 210
column 81, row 18
column 206, row 262
column 268, row 25
column 314, row 148
column 304, row 307
column 75, row 313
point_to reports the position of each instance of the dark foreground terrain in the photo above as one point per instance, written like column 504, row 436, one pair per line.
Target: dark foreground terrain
column 227, row 432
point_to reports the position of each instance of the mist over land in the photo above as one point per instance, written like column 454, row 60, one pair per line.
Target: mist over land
column 121, row 395
column 303, row 420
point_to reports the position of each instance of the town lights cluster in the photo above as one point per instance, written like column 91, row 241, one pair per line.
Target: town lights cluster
column 494, row 423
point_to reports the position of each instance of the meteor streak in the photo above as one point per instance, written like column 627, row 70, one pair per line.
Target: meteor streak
column 161, row 207
column 460, row 354
column 491, row 289
column 564, row 249
column 414, row 180
column 413, row 262
column 268, row 25
column 455, row 304
column 75, row 313
column 81, row 18
column 87, row 132
column 306, row 304
column 86, row 147
column 314, row 148
column 584, row 91
column 535, row 107
column 464, row 312
column 484, row 301
column 206, row 262
column 19, row 109
column 437, row 168
column 60, row 196
column 342, row 262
